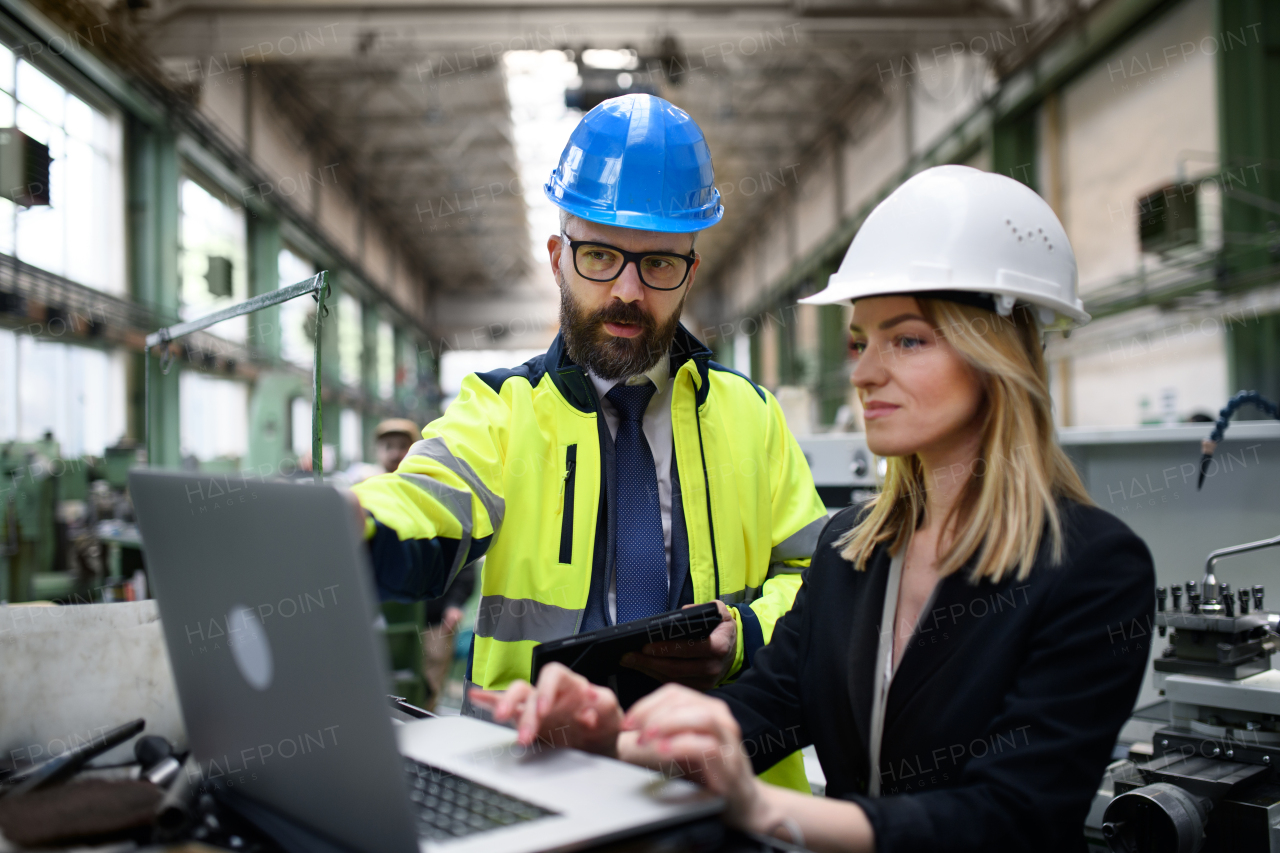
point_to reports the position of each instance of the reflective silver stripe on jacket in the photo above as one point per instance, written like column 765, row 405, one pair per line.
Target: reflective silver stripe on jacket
column 458, row 502
column 745, row 595
column 438, row 450
column 514, row 619
column 799, row 545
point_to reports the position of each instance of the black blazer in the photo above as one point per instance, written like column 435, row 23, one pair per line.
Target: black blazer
column 1006, row 706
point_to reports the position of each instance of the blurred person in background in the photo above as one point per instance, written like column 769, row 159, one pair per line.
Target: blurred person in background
column 444, row 615
column 393, row 438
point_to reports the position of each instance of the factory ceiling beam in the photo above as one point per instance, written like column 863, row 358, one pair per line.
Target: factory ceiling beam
column 475, row 32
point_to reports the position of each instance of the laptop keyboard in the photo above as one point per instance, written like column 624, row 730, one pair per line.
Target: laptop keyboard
column 449, row 806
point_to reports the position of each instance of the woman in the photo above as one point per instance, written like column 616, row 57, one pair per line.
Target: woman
column 983, row 714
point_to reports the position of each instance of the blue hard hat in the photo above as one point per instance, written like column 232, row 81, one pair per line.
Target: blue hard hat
column 637, row 162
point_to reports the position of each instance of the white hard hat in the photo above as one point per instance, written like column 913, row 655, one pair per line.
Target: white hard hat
column 957, row 229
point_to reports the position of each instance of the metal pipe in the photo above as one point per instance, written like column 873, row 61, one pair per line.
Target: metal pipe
column 257, row 303
column 317, row 426
column 317, row 284
column 1235, row 549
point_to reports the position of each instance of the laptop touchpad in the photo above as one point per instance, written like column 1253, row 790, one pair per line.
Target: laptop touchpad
column 537, row 760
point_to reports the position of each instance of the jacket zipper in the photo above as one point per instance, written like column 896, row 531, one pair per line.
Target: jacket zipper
column 566, row 493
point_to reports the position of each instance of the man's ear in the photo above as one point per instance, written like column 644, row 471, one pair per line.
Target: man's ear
column 693, row 269
column 554, row 248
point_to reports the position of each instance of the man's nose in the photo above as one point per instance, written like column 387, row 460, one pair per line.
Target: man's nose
column 627, row 286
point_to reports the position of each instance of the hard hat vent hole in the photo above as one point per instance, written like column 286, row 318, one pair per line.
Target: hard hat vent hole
column 1019, row 239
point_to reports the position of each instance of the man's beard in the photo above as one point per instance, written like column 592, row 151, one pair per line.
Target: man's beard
column 589, row 345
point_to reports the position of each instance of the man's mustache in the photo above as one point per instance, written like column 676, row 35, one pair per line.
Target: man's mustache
column 624, row 312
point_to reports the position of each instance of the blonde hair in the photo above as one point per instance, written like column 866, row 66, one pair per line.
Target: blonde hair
column 1009, row 500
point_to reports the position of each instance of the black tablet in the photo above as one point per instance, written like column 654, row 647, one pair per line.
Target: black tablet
column 595, row 655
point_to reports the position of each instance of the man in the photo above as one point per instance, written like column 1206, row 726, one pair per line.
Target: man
column 393, row 437
column 622, row 473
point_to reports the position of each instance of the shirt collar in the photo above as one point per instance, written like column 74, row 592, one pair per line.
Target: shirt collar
column 659, row 375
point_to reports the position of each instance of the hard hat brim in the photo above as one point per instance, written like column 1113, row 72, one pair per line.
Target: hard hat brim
column 852, row 289
column 666, row 223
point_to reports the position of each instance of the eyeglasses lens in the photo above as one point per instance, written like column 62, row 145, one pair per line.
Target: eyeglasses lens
column 601, row 263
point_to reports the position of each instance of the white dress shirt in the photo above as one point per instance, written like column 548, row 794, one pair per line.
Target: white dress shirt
column 656, row 425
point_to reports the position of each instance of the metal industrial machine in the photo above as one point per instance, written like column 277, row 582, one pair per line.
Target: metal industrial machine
column 1210, row 782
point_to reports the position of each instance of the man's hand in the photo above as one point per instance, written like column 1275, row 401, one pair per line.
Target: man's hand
column 452, row 616
column 700, row 664
column 564, row 710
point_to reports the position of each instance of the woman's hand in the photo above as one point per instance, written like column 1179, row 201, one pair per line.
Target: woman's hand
column 700, row 737
column 564, row 709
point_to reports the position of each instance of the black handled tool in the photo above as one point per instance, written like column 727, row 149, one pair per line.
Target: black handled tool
column 58, row 769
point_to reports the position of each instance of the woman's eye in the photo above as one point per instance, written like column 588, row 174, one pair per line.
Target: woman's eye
column 857, row 347
column 907, row 342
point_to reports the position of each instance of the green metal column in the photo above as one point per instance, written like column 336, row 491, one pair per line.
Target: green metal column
column 410, row 397
column 330, row 367
column 270, row 437
column 1249, row 135
column 264, row 277
column 784, row 330
column 833, row 355
column 757, row 354
column 153, row 243
column 370, row 317
column 1014, row 147
column 428, row 393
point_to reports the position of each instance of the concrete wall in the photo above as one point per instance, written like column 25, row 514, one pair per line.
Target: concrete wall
column 1124, row 125
column 816, row 198
column 1125, row 122
column 875, row 152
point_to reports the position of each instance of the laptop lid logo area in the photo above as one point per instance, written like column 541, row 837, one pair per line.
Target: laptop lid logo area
column 249, row 647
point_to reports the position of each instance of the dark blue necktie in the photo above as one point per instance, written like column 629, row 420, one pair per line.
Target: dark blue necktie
column 640, row 555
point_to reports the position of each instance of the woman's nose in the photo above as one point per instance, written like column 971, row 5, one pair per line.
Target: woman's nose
column 868, row 369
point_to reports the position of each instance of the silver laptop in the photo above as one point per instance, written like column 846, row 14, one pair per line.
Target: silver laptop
column 266, row 597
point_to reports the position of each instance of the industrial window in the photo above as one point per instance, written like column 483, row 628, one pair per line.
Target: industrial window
column 297, row 316
column 76, row 393
column 409, row 373
column 212, row 263
column 386, row 360
column 300, row 424
column 214, row 420
column 350, row 339
column 80, row 234
column 351, row 440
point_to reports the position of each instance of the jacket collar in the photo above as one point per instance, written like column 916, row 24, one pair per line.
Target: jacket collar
column 574, row 385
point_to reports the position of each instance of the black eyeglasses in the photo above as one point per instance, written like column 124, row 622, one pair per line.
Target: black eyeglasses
column 604, row 263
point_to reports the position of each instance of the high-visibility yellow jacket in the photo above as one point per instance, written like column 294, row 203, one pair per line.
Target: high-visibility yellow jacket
column 518, row 470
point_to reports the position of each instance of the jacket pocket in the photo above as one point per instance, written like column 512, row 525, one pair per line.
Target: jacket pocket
column 566, row 520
